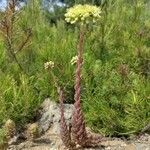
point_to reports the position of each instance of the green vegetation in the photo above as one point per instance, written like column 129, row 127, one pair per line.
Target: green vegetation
column 115, row 75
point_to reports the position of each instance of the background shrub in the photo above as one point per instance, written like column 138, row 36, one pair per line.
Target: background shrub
column 115, row 76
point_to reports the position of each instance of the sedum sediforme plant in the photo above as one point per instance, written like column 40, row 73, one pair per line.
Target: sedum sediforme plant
column 81, row 15
column 65, row 132
column 6, row 133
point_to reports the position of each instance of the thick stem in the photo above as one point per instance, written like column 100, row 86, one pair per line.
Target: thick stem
column 79, row 66
column 78, row 124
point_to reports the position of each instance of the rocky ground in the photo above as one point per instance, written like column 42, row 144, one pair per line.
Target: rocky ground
column 47, row 136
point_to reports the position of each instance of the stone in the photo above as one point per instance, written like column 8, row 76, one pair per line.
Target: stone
column 50, row 116
column 142, row 146
column 130, row 147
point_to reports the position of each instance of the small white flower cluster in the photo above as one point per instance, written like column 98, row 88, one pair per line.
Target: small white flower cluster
column 74, row 60
column 49, row 65
column 82, row 13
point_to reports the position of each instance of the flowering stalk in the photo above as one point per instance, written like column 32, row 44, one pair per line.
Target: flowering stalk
column 65, row 133
column 78, row 124
column 81, row 14
column 79, row 132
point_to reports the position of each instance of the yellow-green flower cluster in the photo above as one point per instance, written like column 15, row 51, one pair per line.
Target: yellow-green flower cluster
column 82, row 13
column 74, row 60
column 49, row 65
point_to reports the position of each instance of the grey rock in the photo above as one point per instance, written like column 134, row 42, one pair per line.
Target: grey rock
column 50, row 116
column 142, row 146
